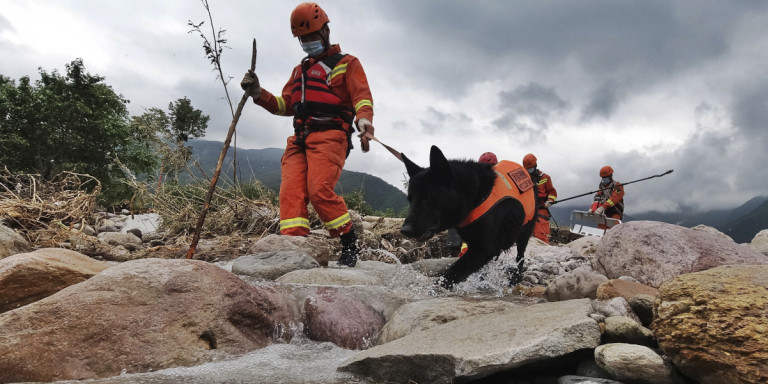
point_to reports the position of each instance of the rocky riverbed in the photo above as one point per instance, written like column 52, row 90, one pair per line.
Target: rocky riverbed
column 648, row 303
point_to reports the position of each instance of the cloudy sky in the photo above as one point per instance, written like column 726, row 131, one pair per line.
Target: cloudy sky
column 643, row 86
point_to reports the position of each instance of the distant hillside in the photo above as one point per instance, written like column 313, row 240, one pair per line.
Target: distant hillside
column 264, row 165
column 744, row 228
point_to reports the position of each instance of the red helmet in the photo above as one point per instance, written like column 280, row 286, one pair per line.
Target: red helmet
column 606, row 171
column 489, row 158
column 529, row 161
column 307, row 18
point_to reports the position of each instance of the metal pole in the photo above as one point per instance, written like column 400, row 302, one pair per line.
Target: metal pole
column 623, row 184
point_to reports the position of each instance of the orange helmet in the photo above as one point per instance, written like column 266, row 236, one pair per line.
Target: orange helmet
column 606, row 171
column 489, row 158
column 529, row 161
column 307, row 18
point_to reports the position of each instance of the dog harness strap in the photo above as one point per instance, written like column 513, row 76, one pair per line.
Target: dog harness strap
column 506, row 186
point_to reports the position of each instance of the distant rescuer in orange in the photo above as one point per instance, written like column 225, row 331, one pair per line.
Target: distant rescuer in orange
column 609, row 199
column 326, row 94
column 545, row 196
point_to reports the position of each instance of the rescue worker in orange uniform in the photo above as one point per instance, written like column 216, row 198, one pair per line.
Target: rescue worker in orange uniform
column 327, row 93
column 609, row 199
column 545, row 196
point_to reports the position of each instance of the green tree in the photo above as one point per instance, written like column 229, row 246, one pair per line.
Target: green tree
column 74, row 122
column 169, row 132
column 186, row 122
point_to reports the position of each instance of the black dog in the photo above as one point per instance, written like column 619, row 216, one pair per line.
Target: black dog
column 459, row 194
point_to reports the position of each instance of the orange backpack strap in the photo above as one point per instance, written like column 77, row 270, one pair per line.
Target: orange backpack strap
column 512, row 181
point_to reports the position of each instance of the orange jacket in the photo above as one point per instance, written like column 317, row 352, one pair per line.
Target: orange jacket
column 546, row 190
column 348, row 82
column 611, row 198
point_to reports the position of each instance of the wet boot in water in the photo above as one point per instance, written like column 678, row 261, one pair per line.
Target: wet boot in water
column 349, row 250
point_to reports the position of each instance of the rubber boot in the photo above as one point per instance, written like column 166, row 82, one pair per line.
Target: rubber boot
column 349, row 250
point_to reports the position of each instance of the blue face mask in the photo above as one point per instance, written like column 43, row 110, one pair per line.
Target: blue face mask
column 531, row 170
column 606, row 180
column 313, row 48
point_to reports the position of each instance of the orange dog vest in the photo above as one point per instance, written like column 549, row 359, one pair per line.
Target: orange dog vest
column 512, row 181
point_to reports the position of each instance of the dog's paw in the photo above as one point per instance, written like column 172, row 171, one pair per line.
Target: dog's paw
column 515, row 276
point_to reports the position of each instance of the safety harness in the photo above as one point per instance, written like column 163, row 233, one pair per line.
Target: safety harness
column 317, row 108
column 512, row 182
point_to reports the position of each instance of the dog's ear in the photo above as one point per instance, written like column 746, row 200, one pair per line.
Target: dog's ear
column 439, row 165
column 410, row 166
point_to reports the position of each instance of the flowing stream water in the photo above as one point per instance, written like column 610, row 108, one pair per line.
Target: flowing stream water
column 306, row 361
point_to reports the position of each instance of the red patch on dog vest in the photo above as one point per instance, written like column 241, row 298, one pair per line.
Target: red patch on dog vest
column 521, row 179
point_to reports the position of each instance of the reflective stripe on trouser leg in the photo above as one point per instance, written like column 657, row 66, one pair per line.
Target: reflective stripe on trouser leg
column 326, row 153
column 293, row 191
column 294, row 225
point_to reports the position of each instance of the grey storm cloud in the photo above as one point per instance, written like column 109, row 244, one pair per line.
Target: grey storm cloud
column 435, row 120
column 750, row 110
column 603, row 101
column 528, row 110
column 641, row 42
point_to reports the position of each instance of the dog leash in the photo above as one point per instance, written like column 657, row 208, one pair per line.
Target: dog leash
column 391, row 150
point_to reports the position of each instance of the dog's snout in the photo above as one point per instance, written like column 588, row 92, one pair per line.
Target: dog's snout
column 407, row 230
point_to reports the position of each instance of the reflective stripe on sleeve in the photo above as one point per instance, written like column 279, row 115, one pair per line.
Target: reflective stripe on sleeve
column 280, row 105
column 609, row 202
column 363, row 103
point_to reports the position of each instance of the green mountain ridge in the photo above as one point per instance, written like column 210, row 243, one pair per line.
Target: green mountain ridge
column 264, row 165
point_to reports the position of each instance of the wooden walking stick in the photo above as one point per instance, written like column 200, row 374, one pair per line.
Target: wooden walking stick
column 215, row 178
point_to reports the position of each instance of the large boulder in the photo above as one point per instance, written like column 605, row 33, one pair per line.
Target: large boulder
column 316, row 246
column 577, row 284
column 141, row 316
column 760, row 242
column 29, row 277
column 11, row 242
column 364, row 273
column 478, row 346
column 271, row 265
column 635, row 364
column 332, row 315
column 654, row 252
column 425, row 314
column 714, row 324
column 585, row 246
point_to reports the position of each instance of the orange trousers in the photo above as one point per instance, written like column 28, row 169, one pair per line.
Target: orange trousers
column 541, row 228
column 309, row 174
